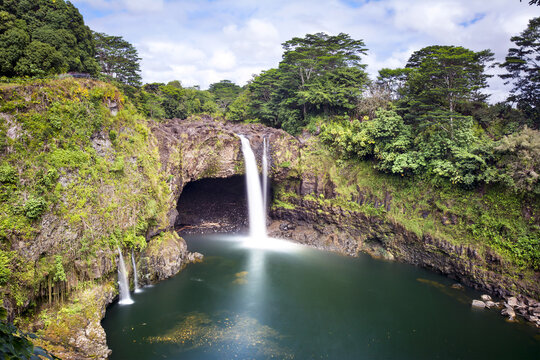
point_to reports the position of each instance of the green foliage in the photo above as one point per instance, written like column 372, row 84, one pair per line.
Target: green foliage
column 5, row 270
column 239, row 109
column 118, row 165
column 118, row 59
column 59, row 272
column 8, row 175
column 444, row 147
column 40, row 59
column 519, row 158
column 319, row 74
column 34, row 207
column 134, row 241
column 225, row 92
column 285, row 164
column 174, row 101
column 427, row 137
column 90, row 171
column 16, row 344
column 521, row 63
column 442, row 77
column 44, row 37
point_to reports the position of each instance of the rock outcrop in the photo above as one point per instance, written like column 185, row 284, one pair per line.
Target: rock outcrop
column 165, row 257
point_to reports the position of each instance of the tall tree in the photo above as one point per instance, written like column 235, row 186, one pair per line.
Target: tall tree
column 319, row 74
column 118, row 58
column 444, row 76
column 394, row 81
column 316, row 55
column 225, row 93
column 523, row 65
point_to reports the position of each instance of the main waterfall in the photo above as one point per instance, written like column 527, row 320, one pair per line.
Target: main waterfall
column 256, row 211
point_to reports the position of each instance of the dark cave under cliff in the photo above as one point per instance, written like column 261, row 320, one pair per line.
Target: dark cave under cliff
column 213, row 205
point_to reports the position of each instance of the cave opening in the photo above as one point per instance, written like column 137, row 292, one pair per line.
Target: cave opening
column 213, row 205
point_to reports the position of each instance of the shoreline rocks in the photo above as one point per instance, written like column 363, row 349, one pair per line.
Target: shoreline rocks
column 527, row 308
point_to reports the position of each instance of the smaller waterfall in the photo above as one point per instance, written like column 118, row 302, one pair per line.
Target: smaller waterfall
column 135, row 278
column 265, row 174
column 123, row 285
column 257, row 217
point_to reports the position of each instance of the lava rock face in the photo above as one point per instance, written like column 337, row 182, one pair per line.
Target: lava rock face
column 204, row 148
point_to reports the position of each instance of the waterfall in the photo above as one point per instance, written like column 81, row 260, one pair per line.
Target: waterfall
column 123, row 285
column 257, row 218
column 135, row 279
column 265, row 175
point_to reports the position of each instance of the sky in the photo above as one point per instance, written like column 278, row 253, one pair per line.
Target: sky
column 200, row 42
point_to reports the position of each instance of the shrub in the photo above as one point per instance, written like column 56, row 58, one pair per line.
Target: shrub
column 8, row 175
column 34, row 207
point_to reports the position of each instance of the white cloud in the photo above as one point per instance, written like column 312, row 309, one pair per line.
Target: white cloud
column 223, row 60
column 203, row 41
column 143, row 5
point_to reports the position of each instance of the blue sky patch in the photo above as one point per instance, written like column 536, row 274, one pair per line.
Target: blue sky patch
column 475, row 19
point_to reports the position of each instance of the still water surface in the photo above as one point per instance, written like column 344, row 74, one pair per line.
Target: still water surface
column 298, row 303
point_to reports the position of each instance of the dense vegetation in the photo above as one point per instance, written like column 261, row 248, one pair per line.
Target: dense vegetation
column 64, row 154
column 42, row 37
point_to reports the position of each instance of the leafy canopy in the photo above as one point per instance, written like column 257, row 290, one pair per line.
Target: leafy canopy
column 42, row 37
column 118, row 59
column 319, row 74
column 523, row 66
column 225, row 92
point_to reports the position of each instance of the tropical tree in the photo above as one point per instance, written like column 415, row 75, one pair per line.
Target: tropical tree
column 173, row 101
column 445, row 76
column 394, row 81
column 319, row 75
column 523, row 65
column 225, row 92
column 323, row 68
column 118, row 59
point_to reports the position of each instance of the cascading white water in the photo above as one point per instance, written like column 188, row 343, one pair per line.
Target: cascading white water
column 135, row 278
column 257, row 218
column 123, row 285
column 265, row 174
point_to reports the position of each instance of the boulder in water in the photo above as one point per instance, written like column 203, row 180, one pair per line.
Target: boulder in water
column 509, row 311
column 512, row 301
column 485, row 297
column 478, row 304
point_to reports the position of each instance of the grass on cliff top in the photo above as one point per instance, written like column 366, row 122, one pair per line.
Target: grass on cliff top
column 492, row 217
column 72, row 175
